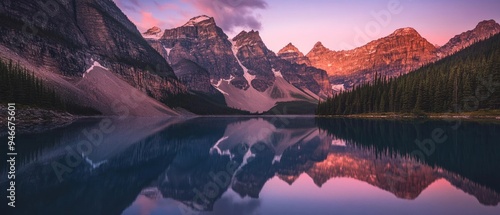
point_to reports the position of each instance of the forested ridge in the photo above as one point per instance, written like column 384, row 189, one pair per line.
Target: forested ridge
column 466, row 81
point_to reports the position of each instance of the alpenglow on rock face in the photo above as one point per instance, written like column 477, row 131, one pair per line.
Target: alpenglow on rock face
column 482, row 31
column 293, row 55
column 249, row 75
column 154, row 32
column 400, row 52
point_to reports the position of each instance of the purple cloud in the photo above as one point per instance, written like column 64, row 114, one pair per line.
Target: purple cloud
column 131, row 5
column 230, row 14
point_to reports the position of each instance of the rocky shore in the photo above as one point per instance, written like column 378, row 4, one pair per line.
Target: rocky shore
column 35, row 120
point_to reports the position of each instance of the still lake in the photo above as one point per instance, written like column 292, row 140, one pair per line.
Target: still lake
column 269, row 165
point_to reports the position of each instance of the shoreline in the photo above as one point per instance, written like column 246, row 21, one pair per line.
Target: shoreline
column 443, row 116
column 36, row 120
column 31, row 120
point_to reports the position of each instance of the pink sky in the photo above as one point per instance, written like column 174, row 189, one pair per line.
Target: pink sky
column 338, row 24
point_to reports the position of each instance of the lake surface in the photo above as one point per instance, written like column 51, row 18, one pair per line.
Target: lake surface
column 272, row 165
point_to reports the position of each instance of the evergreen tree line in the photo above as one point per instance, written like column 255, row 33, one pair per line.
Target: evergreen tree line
column 466, row 81
column 21, row 86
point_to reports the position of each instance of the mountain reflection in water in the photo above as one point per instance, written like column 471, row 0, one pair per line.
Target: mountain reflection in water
column 265, row 165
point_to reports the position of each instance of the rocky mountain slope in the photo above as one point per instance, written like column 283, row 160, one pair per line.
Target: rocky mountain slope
column 154, row 32
column 243, row 70
column 255, row 56
column 204, row 43
column 482, row 31
column 401, row 52
column 293, row 55
column 73, row 35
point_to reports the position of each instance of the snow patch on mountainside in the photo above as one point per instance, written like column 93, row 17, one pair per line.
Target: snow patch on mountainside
column 246, row 99
column 220, row 82
column 167, row 50
column 109, row 91
column 247, row 75
column 338, row 87
column 253, row 100
column 277, row 74
column 196, row 20
column 339, row 142
column 94, row 65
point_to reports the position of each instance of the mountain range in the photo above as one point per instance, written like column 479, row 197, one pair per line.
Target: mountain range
column 399, row 53
column 94, row 56
column 249, row 75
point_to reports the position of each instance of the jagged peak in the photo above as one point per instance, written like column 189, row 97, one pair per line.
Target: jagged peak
column 199, row 19
column 248, row 36
column 241, row 34
column 153, row 30
column 490, row 22
column 248, row 33
column 483, row 30
column 487, row 24
column 153, row 33
column 254, row 32
column 319, row 46
column 289, row 48
column 406, row 31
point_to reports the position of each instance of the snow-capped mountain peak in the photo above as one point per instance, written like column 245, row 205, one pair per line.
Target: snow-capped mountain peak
column 242, row 71
column 198, row 19
column 153, row 33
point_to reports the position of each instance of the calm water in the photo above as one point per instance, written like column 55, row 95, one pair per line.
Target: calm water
column 259, row 166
